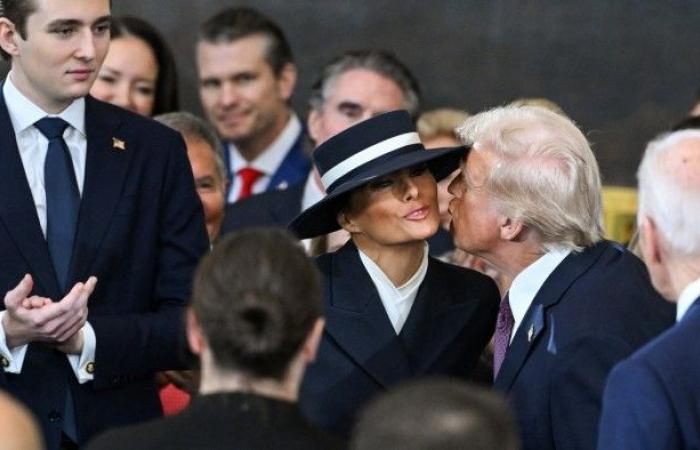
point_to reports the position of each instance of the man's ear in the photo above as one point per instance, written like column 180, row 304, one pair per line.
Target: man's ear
column 310, row 347
column 195, row 336
column 649, row 242
column 8, row 36
column 313, row 123
column 286, row 80
column 509, row 228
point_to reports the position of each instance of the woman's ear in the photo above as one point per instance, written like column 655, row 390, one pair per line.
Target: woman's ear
column 346, row 222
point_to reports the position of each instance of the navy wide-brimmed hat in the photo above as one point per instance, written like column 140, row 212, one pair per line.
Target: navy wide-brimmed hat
column 371, row 149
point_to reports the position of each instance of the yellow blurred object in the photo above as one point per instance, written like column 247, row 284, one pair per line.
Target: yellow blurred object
column 619, row 212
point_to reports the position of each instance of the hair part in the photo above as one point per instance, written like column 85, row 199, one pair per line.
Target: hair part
column 545, row 173
column 381, row 62
column 232, row 24
column 669, row 196
column 191, row 126
column 436, row 414
column 257, row 296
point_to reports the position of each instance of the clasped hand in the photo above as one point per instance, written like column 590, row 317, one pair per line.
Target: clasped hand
column 39, row 319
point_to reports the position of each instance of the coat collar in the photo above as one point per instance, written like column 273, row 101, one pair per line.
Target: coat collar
column 357, row 322
column 105, row 171
column 534, row 323
column 17, row 210
column 106, row 166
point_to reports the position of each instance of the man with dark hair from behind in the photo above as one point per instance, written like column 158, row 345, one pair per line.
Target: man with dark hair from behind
column 436, row 414
column 255, row 324
column 246, row 78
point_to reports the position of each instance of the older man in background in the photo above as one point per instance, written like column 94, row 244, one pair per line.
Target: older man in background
column 652, row 399
column 528, row 202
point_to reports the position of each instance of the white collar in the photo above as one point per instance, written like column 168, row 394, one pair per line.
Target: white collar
column 397, row 300
column 528, row 282
column 687, row 298
column 312, row 192
column 24, row 113
column 271, row 158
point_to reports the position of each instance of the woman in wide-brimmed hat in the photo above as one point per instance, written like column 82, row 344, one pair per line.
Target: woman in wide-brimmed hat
column 392, row 312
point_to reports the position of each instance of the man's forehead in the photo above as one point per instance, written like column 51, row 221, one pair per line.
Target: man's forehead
column 365, row 87
column 73, row 11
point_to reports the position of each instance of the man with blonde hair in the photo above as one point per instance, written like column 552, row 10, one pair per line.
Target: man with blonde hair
column 528, row 201
column 652, row 399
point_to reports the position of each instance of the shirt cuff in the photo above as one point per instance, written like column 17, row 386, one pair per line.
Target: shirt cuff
column 83, row 365
column 10, row 360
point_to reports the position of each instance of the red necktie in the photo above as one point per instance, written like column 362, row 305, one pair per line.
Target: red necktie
column 248, row 178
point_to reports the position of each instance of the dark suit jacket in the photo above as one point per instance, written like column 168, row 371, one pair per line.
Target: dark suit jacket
column 269, row 209
column 292, row 170
column 652, row 399
column 141, row 232
column 279, row 208
column 596, row 308
column 223, row 421
column 451, row 321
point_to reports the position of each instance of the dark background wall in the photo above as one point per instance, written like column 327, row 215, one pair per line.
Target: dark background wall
column 624, row 70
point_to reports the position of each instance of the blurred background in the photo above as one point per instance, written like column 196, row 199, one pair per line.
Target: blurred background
column 624, row 70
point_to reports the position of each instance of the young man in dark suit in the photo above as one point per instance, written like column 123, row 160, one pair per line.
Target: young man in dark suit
column 528, row 202
column 89, row 192
column 652, row 399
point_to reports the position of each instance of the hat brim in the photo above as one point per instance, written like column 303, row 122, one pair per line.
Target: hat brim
column 321, row 218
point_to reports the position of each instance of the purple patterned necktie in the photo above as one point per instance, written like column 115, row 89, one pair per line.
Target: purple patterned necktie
column 501, row 340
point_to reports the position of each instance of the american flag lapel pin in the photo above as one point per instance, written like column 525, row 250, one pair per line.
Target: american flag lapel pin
column 118, row 144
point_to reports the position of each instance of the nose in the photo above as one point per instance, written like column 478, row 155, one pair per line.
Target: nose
column 410, row 188
column 229, row 94
column 122, row 96
column 86, row 46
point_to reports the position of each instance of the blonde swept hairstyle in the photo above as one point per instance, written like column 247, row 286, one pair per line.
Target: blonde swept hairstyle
column 545, row 173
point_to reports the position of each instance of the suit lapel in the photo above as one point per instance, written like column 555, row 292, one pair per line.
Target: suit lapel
column 17, row 209
column 105, row 170
column 434, row 321
column 357, row 321
column 536, row 320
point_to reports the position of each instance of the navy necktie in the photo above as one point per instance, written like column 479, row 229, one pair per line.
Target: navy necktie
column 62, row 197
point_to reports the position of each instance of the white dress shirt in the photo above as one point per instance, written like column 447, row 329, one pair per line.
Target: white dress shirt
column 527, row 283
column 32, row 147
column 267, row 162
column 397, row 301
column 687, row 298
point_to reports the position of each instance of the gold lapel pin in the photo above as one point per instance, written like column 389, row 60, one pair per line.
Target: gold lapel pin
column 118, row 144
column 530, row 333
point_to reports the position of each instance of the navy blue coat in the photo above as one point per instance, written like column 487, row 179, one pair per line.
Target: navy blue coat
column 595, row 309
column 360, row 356
column 141, row 232
column 652, row 399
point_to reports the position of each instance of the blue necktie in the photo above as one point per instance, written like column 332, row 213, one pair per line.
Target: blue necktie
column 62, row 197
column 62, row 205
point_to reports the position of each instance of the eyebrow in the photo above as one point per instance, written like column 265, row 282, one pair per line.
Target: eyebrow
column 76, row 22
